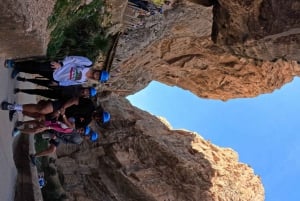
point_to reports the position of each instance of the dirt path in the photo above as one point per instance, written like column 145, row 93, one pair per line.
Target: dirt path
column 18, row 178
column 23, row 33
column 8, row 170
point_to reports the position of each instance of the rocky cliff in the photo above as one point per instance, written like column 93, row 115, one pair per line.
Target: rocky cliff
column 261, row 29
column 230, row 50
column 233, row 49
column 176, row 49
column 140, row 157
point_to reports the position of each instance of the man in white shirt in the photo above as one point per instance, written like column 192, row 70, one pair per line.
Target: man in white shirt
column 73, row 70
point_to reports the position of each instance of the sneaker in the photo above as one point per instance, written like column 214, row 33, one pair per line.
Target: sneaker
column 15, row 132
column 16, row 90
column 9, row 63
column 22, row 79
column 14, row 74
column 18, row 124
column 32, row 159
column 11, row 114
column 7, row 106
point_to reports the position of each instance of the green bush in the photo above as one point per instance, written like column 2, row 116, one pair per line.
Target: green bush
column 78, row 30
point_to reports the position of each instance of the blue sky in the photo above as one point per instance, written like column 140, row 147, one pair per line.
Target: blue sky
column 263, row 130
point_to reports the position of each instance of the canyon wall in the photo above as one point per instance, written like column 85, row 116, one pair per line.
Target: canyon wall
column 140, row 157
column 194, row 47
column 215, row 49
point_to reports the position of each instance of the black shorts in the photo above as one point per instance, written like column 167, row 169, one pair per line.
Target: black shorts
column 56, row 105
column 54, row 142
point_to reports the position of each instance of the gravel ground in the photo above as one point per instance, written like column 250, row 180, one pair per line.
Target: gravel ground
column 23, row 33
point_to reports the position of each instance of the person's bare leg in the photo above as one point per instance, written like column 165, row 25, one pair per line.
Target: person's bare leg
column 41, row 108
column 32, row 127
column 33, row 131
column 31, row 123
column 37, row 116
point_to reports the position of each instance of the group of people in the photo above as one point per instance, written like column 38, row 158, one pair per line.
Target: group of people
column 66, row 114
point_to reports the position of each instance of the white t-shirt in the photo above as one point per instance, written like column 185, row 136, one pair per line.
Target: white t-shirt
column 73, row 71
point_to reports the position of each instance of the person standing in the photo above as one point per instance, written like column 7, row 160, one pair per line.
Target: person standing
column 73, row 70
column 56, row 138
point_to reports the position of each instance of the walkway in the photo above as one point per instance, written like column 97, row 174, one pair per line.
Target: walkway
column 15, row 44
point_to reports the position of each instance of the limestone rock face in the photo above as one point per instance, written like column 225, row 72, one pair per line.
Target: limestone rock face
column 176, row 49
column 254, row 49
column 263, row 29
column 138, row 157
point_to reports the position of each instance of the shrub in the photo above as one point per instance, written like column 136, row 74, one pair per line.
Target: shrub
column 77, row 30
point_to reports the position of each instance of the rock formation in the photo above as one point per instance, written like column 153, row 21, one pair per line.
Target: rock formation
column 234, row 49
column 176, row 49
column 140, row 157
column 262, row 29
column 24, row 28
